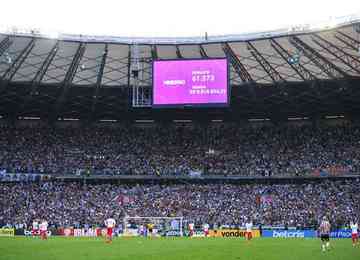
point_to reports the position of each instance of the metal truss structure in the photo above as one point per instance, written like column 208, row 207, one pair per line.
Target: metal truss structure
column 299, row 74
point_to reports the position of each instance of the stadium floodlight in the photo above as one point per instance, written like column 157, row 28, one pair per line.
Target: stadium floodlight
column 6, row 58
column 294, row 59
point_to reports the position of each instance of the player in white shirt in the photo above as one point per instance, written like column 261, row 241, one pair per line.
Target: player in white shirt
column 43, row 229
column 354, row 232
column 110, row 224
column 324, row 230
column 35, row 228
column 248, row 232
column 191, row 229
column 206, row 229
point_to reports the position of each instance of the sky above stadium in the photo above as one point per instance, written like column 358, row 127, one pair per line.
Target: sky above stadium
column 168, row 18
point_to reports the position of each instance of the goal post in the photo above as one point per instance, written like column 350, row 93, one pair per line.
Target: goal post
column 166, row 226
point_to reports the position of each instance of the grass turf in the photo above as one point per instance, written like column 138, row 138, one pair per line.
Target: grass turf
column 61, row 248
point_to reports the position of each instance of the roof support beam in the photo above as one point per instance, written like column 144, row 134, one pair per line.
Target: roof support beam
column 70, row 74
column 329, row 68
column 324, row 64
column 11, row 71
column 345, row 58
column 154, row 52
column 301, row 70
column 236, row 63
column 272, row 72
column 99, row 80
column 129, row 67
column 203, row 52
column 304, row 73
column 128, row 89
column 178, row 52
column 39, row 76
column 347, row 40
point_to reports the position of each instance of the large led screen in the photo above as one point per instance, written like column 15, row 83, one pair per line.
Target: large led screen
column 202, row 82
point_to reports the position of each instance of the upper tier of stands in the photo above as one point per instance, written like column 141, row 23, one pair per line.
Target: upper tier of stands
column 170, row 150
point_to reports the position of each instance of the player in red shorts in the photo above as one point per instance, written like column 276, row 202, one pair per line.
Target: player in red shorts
column 110, row 224
column 248, row 233
column 354, row 232
column 191, row 229
column 35, row 228
column 43, row 229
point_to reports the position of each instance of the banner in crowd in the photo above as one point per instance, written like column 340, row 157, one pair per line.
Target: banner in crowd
column 341, row 233
column 335, row 170
column 7, row 232
column 24, row 232
column 69, row 232
column 232, row 233
column 37, row 233
column 289, row 233
column 174, row 233
column 82, row 232
column 98, row 232
column 123, row 200
column 23, row 177
column 195, row 173
column 197, row 233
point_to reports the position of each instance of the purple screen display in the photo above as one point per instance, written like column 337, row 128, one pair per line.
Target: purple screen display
column 191, row 82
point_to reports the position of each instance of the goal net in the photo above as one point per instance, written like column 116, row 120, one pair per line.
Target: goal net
column 161, row 226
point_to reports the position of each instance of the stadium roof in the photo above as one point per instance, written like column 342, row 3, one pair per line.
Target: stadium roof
column 286, row 31
column 83, row 75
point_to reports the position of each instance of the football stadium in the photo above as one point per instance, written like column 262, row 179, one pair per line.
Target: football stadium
column 234, row 146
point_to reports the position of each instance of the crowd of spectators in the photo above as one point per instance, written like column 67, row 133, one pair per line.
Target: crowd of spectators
column 170, row 150
column 78, row 204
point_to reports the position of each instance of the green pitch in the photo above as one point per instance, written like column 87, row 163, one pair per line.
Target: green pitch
column 60, row 248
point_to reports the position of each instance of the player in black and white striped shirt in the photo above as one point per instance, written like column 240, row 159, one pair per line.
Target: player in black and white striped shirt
column 324, row 230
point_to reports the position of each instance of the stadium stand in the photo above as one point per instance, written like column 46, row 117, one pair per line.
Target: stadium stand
column 172, row 151
column 74, row 204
